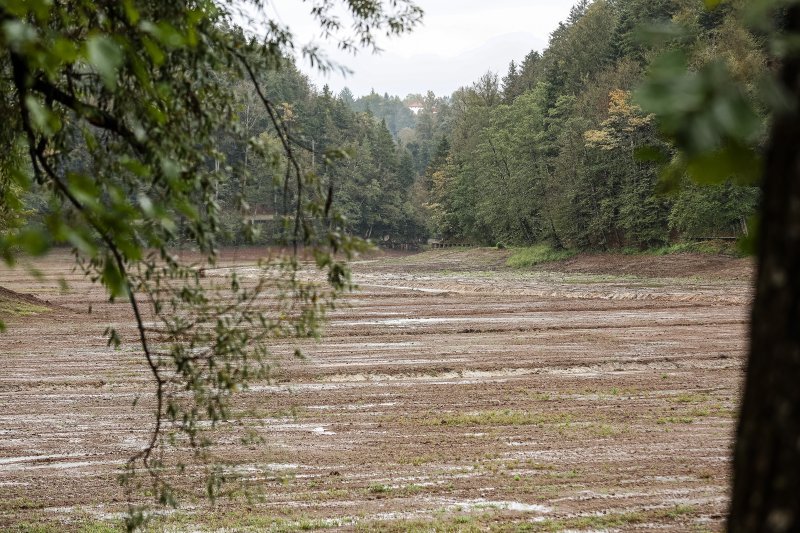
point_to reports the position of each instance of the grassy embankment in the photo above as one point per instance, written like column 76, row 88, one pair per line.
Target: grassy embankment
column 14, row 305
column 526, row 257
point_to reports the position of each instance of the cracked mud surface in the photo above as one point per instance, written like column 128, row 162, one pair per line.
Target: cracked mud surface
column 449, row 393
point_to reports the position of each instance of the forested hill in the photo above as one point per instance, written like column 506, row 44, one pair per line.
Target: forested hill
column 548, row 152
column 552, row 150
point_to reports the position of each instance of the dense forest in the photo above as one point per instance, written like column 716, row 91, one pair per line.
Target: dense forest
column 553, row 151
column 371, row 152
column 549, row 152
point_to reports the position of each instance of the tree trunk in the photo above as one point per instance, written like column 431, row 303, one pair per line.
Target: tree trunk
column 766, row 467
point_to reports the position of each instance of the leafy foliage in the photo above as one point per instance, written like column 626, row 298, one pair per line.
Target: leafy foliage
column 117, row 117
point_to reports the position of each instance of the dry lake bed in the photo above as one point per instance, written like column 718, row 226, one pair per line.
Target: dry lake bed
column 448, row 393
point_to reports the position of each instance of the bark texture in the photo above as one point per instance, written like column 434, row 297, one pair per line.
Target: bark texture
column 766, row 469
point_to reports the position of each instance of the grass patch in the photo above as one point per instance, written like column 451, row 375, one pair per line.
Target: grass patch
column 410, row 490
column 539, row 396
column 505, row 417
column 20, row 504
column 458, row 523
column 677, row 511
column 613, row 520
column 568, row 474
column 487, row 521
column 675, row 420
column 243, row 521
column 378, row 488
column 691, row 398
column 604, row 430
column 535, row 255
column 710, row 247
column 30, row 527
column 10, row 307
column 417, row 460
column 100, row 527
column 83, row 525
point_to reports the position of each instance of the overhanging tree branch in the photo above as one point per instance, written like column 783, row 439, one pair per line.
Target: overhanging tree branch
column 40, row 163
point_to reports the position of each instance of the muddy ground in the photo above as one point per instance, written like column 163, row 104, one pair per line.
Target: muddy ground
column 450, row 394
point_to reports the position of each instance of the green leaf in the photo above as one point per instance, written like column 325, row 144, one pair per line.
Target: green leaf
column 135, row 166
column 106, row 56
column 736, row 117
column 129, row 248
column 775, row 95
column 164, row 32
column 65, row 50
column 37, row 274
column 42, row 117
column 40, row 8
column 130, row 11
column 146, row 204
column 113, row 337
column 12, row 201
column 80, row 242
column 669, row 180
column 154, row 51
column 650, row 154
column 34, row 241
column 170, row 168
column 112, row 278
column 154, row 113
column 20, row 178
column 19, row 34
column 18, row 8
column 730, row 162
column 84, row 189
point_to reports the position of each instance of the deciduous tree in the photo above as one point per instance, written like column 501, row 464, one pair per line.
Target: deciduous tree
column 141, row 88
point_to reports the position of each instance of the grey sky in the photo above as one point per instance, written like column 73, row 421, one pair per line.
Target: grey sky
column 459, row 41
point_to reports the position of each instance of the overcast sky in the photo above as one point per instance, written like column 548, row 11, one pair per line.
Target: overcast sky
column 458, row 41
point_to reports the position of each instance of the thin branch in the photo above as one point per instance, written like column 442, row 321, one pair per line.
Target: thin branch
column 93, row 114
column 40, row 163
column 283, row 135
column 120, row 262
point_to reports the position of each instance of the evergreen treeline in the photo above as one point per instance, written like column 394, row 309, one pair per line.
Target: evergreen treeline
column 550, row 152
column 377, row 179
column 389, row 108
column 354, row 155
column 553, row 151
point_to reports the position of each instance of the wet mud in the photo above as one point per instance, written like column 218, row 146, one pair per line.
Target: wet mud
column 448, row 392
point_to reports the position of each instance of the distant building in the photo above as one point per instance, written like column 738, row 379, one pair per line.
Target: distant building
column 415, row 107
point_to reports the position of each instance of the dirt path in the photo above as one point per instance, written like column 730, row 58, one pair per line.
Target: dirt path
column 449, row 394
